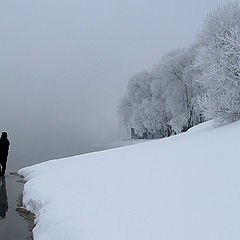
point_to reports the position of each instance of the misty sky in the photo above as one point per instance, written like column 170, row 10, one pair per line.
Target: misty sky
column 64, row 65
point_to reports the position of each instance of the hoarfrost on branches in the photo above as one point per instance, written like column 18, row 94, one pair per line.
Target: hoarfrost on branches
column 218, row 63
column 189, row 84
column 179, row 89
column 162, row 102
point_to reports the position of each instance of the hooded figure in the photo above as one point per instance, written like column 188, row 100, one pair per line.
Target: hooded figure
column 4, row 146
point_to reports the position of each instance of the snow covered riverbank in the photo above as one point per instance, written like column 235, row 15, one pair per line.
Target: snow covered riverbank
column 180, row 188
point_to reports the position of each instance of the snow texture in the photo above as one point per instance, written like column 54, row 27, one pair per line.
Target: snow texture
column 183, row 187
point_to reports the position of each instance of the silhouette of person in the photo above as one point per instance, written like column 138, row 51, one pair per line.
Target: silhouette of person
column 4, row 146
column 3, row 198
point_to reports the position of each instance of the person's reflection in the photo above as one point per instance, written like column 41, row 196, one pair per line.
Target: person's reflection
column 3, row 198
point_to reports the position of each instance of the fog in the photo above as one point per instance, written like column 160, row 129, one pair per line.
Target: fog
column 64, row 65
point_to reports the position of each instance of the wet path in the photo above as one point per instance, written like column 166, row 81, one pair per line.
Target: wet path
column 12, row 225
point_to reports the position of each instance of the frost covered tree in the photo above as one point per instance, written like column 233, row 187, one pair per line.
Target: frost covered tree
column 218, row 63
column 203, row 78
column 179, row 90
column 144, row 108
column 164, row 101
column 162, row 115
column 131, row 109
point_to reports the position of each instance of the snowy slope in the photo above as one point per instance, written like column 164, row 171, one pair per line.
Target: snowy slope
column 185, row 187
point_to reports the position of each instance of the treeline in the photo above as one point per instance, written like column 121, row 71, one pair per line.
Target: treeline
column 189, row 85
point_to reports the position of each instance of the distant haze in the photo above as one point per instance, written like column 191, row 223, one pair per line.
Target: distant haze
column 64, row 65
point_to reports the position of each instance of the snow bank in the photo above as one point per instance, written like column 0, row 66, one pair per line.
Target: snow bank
column 179, row 188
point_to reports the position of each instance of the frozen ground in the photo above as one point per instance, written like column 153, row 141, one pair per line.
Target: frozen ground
column 185, row 187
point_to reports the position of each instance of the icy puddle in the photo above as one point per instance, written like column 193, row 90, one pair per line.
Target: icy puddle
column 12, row 225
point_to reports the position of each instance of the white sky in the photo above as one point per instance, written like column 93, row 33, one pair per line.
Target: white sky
column 64, row 65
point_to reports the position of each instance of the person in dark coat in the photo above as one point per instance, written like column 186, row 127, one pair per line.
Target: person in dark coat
column 4, row 146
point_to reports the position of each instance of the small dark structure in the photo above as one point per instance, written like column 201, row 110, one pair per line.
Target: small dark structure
column 133, row 134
